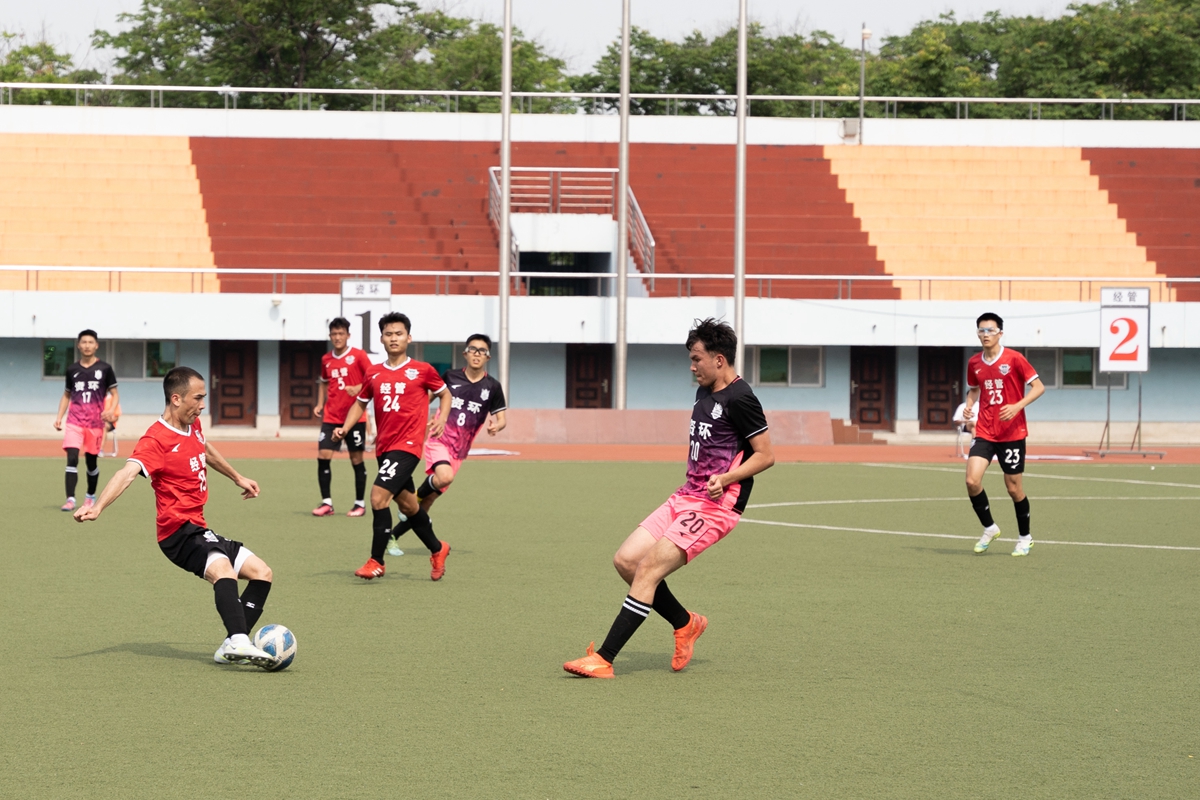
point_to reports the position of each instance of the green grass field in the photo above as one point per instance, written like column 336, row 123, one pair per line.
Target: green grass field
column 837, row 664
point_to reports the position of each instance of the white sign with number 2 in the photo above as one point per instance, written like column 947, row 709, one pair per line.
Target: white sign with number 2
column 1124, row 339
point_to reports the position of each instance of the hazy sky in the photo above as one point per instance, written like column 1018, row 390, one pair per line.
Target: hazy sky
column 575, row 31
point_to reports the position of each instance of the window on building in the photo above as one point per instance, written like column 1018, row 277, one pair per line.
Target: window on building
column 131, row 360
column 57, row 355
column 1045, row 362
column 772, row 366
column 128, row 359
column 786, row 366
column 161, row 358
column 807, row 367
column 1078, row 366
column 439, row 355
column 1072, row 368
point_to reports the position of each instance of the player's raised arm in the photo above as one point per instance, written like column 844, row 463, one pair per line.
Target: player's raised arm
column 117, row 484
column 352, row 417
column 217, row 461
column 762, row 459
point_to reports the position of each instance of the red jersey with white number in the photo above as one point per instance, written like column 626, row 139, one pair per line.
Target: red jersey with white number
column 174, row 462
column 401, row 396
column 348, row 369
column 1001, row 383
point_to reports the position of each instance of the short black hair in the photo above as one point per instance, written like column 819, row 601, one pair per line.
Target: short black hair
column 339, row 322
column 989, row 315
column 478, row 337
column 86, row 332
column 394, row 317
column 178, row 380
column 716, row 336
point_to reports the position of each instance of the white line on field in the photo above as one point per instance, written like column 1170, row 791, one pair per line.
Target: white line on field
column 1036, row 499
column 956, row 536
column 1050, row 477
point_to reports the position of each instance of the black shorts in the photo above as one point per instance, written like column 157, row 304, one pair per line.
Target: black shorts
column 1011, row 455
column 356, row 438
column 395, row 471
column 189, row 548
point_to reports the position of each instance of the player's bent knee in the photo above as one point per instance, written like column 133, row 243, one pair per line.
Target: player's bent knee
column 218, row 568
column 443, row 476
column 408, row 504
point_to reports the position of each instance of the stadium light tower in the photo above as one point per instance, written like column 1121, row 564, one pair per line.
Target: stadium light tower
column 505, row 191
column 621, row 357
column 739, row 221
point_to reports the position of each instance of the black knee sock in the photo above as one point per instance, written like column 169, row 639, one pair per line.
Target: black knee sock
column 360, row 481
column 253, row 600
column 422, row 525
column 381, row 531
column 633, row 614
column 72, row 470
column 427, row 488
column 1022, row 509
column 93, row 473
column 669, row 608
column 325, row 477
column 229, row 606
column 980, row 503
column 402, row 528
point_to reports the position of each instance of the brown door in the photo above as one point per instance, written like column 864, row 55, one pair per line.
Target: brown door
column 234, row 391
column 940, row 386
column 589, row 376
column 873, row 387
column 299, row 369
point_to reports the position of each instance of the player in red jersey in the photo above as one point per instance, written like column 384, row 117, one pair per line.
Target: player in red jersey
column 175, row 456
column 401, row 389
column 89, row 401
column 342, row 374
column 998, row 377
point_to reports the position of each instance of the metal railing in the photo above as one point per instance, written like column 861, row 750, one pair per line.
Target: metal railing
column 494, row 205
column 584, row 190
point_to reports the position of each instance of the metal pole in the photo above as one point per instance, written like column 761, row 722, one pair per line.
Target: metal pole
column 862, row 79
column 739, row 218
column 505, row 192
column 620, row 357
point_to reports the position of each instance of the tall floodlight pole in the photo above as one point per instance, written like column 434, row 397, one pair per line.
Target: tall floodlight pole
column 739, row 219
column 620, row 357
column 862, row 79
column 505, row 193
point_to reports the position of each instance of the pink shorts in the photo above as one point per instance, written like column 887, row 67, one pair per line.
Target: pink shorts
column 691, row 523
column 438, row 453
column 86, row 439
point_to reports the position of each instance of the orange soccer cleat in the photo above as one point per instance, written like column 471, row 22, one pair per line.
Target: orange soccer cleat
column 437, row 563
column 591, row 665
column 323, row 510
column 685, row 640
column 371, row 569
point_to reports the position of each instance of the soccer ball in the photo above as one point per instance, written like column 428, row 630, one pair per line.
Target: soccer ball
column 279, row 642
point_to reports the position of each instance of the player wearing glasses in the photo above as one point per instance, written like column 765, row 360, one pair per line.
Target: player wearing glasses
column 998, row 377
column 476, row 399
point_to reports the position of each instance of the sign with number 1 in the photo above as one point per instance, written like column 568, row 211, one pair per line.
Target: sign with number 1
column 363, row 303
column 1125, row 330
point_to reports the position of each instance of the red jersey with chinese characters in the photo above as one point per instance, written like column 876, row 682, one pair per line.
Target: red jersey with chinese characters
column 348, row 369
column 174, row 462
column 1001, row 383
column 401, row 403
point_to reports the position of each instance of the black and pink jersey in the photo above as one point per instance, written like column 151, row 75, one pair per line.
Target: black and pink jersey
column 470, row 407
column 89, row 388
column 719, row 440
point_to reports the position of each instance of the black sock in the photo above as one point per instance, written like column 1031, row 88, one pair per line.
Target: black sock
column 1022, row 508
column 93, row 472
column 325, row 477
column 253, row 600
column 669, row 608
column 402, row 528
column 72, row 470
column 427, row 488
column 381, row 531
column 422, row 525
column 633, row 614
column 360, row 481
column 980, row 503
column 229, row 606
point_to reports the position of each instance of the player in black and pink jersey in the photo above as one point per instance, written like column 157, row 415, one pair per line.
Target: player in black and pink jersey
column 401, row 390
column 176, row 457
column 89, row 401
column 998, row 377
column 476, row 399
column 728, row 445
column 343, row 373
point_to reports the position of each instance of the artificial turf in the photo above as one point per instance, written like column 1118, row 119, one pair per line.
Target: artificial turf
column 836, row 664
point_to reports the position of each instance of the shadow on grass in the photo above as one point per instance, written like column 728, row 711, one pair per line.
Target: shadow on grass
column 145, row 649
column 391, row 575
column 628, row 663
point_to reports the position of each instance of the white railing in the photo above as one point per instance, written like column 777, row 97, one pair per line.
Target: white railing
column 494, row 205
column 583, row 190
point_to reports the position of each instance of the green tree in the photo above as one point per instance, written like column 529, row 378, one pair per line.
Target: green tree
column 39, row 62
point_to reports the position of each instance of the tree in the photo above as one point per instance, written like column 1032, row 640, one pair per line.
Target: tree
column 38, row 62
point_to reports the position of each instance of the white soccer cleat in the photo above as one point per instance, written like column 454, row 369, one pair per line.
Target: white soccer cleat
column 219, row 656
column 989, row 535
column 238, row 649
column 1024, row 545
column 393, row 548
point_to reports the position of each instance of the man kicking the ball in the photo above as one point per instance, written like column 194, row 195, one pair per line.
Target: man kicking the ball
column 729, row 445
column 174, row 455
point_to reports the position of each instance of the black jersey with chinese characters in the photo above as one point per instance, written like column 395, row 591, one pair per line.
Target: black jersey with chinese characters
column 470, row 407
column 719, row 440
column 89, row 388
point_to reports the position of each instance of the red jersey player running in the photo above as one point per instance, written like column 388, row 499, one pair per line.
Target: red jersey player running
column 1000, row 375
column 342, row 375
column 175, row 456
column 729, row 445
column 401, row 389
column 90, row 384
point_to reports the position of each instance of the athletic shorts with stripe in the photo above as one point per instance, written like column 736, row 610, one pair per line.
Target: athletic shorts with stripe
column 437, row 453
